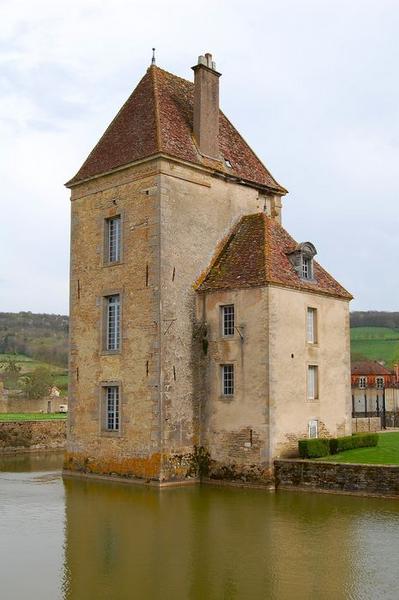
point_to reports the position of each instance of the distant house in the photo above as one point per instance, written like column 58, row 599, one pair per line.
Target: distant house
column 375, row 389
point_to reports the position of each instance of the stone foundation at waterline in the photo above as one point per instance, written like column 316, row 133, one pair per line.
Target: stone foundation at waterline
column 18, row 436
column 337, row 477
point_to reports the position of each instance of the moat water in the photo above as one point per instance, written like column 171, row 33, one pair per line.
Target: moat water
column 80, row 540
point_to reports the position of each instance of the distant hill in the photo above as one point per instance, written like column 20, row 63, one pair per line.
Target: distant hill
column 43, row 337
column 374, row 318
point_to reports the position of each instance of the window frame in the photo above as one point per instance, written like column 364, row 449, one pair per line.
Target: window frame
column 312, row 368
column 105, row 323
column 105, row 386
column 106, row 235
column 362, row 382
column 223, row 372
column 306, row 268
column 377, row 382
column 315, row 338
column 315, row 424
column 224, row 318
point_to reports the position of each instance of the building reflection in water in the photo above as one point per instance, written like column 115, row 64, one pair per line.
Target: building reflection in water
column 125, row 541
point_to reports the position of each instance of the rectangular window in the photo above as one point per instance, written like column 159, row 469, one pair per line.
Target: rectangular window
column 313, row 382
column 228, row 320
column 113, row 322
column 362, row 383
column 313, row 429
column 112, row 417
column 113, row 239
column 311, row 328
column 228, row 380
column 379, row 382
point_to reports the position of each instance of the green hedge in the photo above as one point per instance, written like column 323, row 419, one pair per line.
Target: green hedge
column 318, row 447
column 314, row 448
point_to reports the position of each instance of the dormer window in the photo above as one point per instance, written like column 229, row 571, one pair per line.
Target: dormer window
column 302, row 260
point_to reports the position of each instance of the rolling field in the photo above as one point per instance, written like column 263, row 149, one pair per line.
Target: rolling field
column 375, row 343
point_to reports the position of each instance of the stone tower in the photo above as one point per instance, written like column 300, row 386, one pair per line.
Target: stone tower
column 151, row 207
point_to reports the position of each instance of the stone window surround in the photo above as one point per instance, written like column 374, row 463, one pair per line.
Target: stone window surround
column 315, row 343
column 313, row 425
column 222, row 315
column 221, row 381
column 317, row 382
column 103, row 337
column 103, row 431
column 106, row 218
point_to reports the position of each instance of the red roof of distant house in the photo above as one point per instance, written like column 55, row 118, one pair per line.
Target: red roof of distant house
column 256, row 254
column 158, row 118
column 369, row 367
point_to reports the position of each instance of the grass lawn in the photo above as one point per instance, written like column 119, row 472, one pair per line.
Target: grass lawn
column 31, row 416
column 386, row 453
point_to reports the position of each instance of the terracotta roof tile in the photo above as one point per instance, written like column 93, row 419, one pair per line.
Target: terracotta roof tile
column 158, row 118
column 255, row 254
column 369, row 367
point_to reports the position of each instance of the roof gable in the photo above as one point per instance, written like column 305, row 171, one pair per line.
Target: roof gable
column 158, row 118
column 256, row 254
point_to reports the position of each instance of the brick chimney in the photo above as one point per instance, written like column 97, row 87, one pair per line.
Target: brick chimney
column 206, row 106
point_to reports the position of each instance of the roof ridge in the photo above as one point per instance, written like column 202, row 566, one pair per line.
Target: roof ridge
column 266, row 245
column 153, row 70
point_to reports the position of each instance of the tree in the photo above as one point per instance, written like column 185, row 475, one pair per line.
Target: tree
column 38, row 383
column 11, row 371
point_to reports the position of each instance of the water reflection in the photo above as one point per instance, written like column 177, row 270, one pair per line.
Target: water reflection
column 211, row 543
column 81, row 540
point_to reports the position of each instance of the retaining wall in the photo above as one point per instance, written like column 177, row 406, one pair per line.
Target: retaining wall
column 337, row 477
column 32, row 435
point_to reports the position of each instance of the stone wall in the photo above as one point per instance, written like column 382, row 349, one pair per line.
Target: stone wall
column 19, row 404
column 337, row 477
column 32, row 435
column 366, row 424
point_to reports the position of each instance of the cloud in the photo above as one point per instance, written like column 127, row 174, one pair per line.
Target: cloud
column 312, row 86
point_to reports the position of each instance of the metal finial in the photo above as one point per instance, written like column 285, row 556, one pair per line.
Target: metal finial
column 153, row 57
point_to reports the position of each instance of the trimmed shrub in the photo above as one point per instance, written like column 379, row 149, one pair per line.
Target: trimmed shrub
column 365, row 440
column 314, row 448
column 318, row 447
column 344, row 443
column 333, row 445
column 362, row 440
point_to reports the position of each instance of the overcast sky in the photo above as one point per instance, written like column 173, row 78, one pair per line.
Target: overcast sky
column 312, row 85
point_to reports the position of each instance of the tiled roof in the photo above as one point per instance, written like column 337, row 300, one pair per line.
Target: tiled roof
column 255, row 254
column 369, row 367
column 158, row 118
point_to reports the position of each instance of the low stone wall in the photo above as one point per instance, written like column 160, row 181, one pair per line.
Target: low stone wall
column 366, row 424
column 337, row 477
column 19, row 404
column 32, row 435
